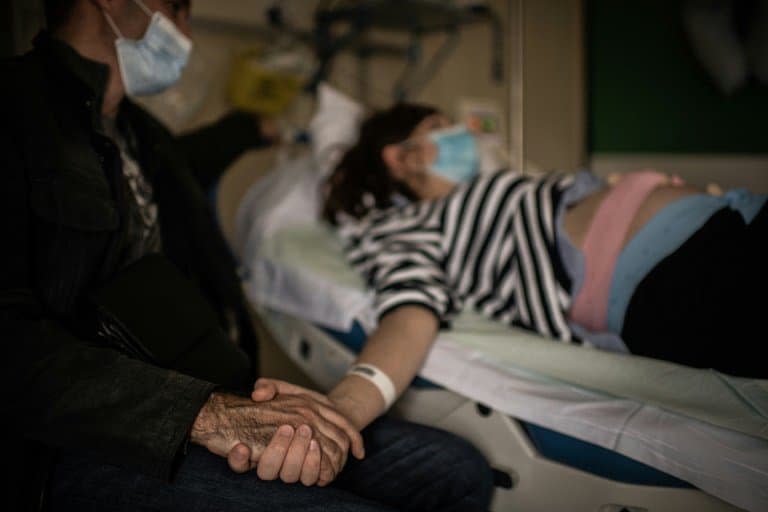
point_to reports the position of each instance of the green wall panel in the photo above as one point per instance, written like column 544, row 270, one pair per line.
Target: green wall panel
column 648, row 93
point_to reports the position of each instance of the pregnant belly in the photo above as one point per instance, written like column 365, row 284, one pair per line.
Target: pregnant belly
column 578, row 218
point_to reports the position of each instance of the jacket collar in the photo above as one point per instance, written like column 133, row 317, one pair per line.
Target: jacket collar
column 87, row 77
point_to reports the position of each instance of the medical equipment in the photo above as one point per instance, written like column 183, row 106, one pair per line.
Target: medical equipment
column 612, row 430
column 266, row 79
column 347, row 26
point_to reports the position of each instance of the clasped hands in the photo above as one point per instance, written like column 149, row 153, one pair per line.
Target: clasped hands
column 283, row 430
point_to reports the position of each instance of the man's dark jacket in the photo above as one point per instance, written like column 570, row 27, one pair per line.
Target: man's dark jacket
column 63, row 205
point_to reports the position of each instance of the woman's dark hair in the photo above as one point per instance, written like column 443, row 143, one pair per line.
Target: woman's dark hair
column 361, row 181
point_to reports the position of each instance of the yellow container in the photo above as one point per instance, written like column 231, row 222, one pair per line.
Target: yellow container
column 257, row 88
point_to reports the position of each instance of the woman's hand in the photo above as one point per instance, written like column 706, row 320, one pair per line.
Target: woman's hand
column 331, row 464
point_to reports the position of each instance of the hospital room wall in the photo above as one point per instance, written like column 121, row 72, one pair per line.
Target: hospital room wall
column 547, row 84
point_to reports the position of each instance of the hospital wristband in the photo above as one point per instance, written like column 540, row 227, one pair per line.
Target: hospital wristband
column 379, row 379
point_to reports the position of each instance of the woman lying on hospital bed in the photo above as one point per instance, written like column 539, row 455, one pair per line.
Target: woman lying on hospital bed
column 646, row 265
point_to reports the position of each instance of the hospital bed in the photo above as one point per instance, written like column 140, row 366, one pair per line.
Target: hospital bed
column 565, row 427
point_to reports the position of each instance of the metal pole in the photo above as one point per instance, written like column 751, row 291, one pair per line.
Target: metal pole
column 517, row 86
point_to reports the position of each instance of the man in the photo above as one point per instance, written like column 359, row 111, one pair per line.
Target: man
column 129, row 357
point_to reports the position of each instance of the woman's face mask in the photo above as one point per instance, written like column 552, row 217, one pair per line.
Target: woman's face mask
column 451, row 152
column 458, row 158
column 153, row 63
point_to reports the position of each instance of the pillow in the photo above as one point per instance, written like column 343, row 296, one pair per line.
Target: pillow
column 289, row 193
column 334, row 127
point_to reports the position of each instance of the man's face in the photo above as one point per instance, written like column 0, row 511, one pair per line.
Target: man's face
column 133, row 21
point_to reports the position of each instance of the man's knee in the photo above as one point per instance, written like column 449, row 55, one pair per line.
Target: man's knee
column 471, row 478
column 420, row 468
column 456, row 469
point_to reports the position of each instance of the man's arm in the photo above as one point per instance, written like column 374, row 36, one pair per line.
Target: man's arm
column 67, row 394
column 89, row 398
column 210, row 150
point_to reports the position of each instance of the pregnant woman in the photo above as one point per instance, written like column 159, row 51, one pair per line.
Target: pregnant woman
column 642, row 263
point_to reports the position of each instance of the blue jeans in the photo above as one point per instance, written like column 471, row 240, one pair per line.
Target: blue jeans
column 407, row 467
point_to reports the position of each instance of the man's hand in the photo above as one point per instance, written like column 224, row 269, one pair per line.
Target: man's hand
column 277, row 436
column 265, row 389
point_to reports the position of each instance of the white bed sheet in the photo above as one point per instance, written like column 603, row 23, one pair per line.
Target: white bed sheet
column 701, row 426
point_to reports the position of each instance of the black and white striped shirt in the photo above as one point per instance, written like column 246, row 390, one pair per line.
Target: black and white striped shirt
column 490, row 245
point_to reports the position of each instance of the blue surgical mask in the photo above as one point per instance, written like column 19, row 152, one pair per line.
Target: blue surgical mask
column 457, row 155
column 153, row 63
